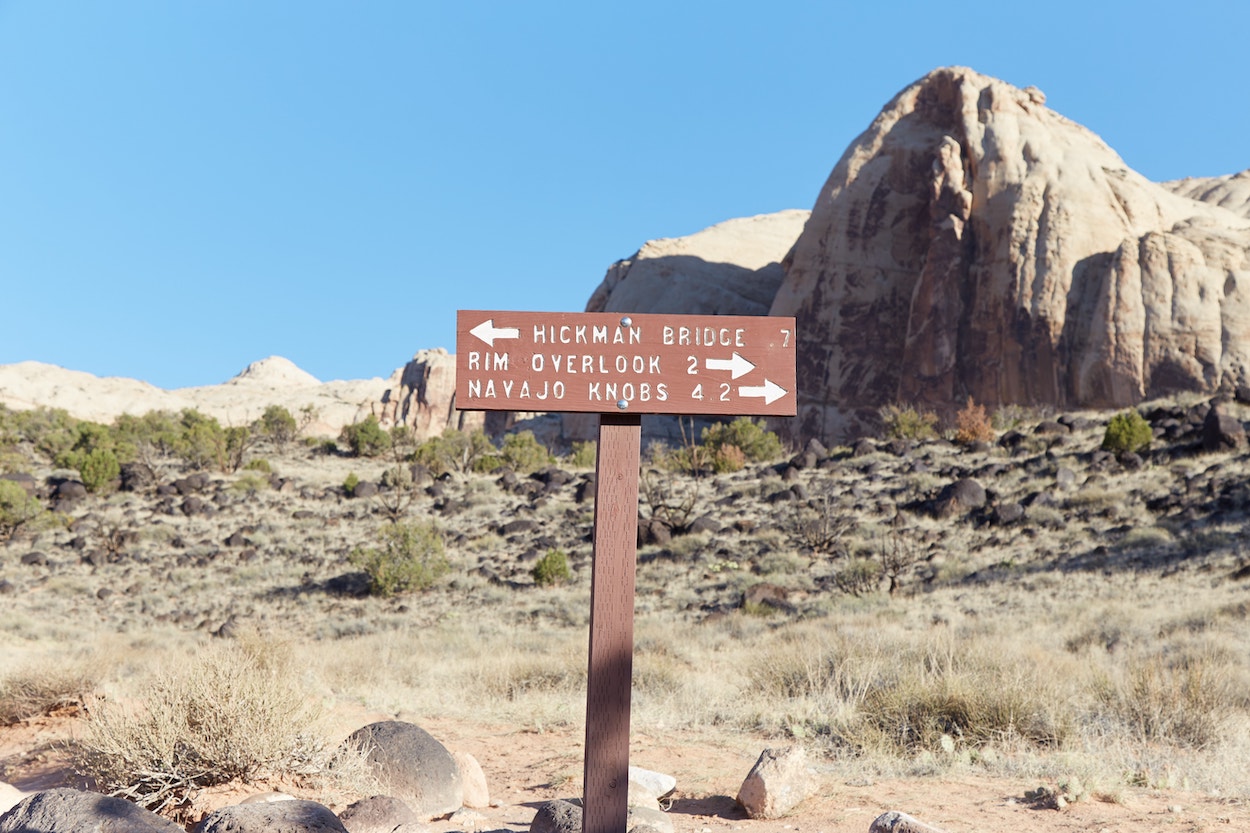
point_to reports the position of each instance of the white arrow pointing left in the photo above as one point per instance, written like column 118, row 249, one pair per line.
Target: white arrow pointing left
column 771, row 391
column 488, row 332
column 737, row 366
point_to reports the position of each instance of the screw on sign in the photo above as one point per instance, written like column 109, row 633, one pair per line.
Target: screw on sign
column 620, row 366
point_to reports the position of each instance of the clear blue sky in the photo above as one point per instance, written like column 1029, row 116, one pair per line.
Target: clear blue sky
column 186, row 187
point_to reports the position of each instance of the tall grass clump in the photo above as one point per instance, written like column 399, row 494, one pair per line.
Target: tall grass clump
column 43, row 688
column 1186, row 700
column 238, row 711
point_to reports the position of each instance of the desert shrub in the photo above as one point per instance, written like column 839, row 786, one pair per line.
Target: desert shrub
column 17, row 509
column 1186, row 700
column 728, row 458
column 585, row 455
column 200, row 440
column 973, row 424
column 154, row 436
column 237, row 710
column 277, row 425
column 819, row 524
column 350, row 483
column 403, row 443
column 366, row 438
column 238, row 440
column 907, row 422
column 410, row 557
column 49, row 430
column 751, row 438
column 551, row 569
column 41, row 689
column 968, row 704
column 249, row 484
column 1127, row 431
column 857, row 575
column 453, row 450
column 98, row 468
column 523, row 453
column 259, row 464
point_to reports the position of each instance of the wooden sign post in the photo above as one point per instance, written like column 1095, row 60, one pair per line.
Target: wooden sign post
column 621, row 367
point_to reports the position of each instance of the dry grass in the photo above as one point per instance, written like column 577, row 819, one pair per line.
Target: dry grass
column 238, row 711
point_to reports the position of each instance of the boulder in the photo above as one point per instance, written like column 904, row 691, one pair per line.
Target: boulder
column 377, row 814
column 412, row 766
column 1221, row 431
column 72, row 810
column 959, row 498
column 974, row 242
column 472, row 780
column 896, row 822
column 272, row 817
column 779, row 782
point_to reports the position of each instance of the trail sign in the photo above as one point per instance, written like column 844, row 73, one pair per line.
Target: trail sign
column 620, row 366
column 725, row 365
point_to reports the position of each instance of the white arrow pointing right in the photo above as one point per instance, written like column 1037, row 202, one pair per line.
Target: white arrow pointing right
column 770, row 391
column 488, row 332
column 737, row 366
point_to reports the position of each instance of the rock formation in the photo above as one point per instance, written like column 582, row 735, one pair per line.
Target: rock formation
column 973, row 242
column 1231, row 192
column 732, row 268
column 422, row 395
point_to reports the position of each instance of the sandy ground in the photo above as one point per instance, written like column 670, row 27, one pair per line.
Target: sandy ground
column 525, row 768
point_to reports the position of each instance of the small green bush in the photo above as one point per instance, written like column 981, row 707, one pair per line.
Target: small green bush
column 259, row 464
column 249, row 484
column 906, row 422
column 552, row 569
column 98, row 468
column 17, row 509
column 523, row 453
column 277, row 424
column 202, row 440
column 454, row 450
column 1127, row 431
column 751, row 438
column 410, row 557
column 366, row 439
column 584, row 455
column 350, row 483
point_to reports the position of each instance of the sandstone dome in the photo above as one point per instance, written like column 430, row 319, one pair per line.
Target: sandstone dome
column 973, row 242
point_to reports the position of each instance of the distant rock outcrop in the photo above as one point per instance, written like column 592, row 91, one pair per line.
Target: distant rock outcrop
column 239, row 401
column 731, row 268
column 1231, row 192
column 422, row 395
column 973, row 242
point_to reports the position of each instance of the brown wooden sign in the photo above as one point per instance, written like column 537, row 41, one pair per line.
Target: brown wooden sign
column 723, row 365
